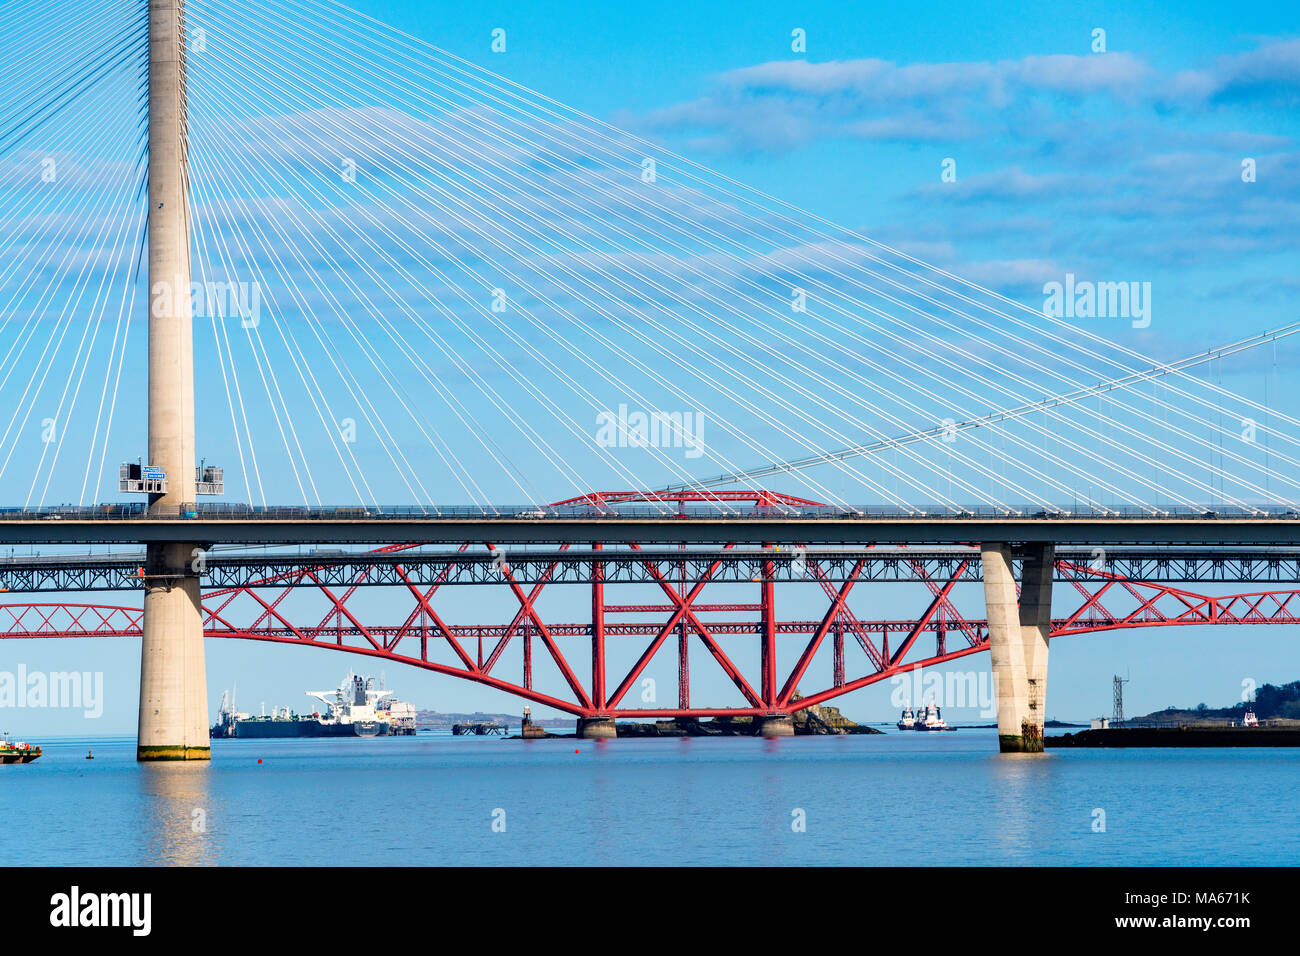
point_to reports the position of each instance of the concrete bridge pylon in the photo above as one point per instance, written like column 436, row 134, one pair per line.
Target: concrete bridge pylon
column 1018, row 641
column 173, row 685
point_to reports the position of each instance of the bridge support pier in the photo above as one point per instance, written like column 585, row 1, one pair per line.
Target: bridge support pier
column 774, row 725
column 173, row 684
column 173, row 689
column 597, row 728
column 1018, row 639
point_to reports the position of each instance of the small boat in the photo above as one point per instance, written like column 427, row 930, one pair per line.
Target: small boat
column 930, row 719
column 908, row 720
column 20, row 752
column 1250, row 720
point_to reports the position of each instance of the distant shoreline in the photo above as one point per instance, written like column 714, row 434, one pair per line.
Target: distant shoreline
column 1050, row 723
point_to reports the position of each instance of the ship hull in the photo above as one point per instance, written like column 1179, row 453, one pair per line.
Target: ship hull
column 264, row 729
column 260, row 729
column 25, row 757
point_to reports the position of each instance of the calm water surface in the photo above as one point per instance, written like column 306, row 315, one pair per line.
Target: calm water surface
column 897, row 799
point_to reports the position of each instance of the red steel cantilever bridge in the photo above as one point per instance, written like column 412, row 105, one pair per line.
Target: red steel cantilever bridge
column 262, row 599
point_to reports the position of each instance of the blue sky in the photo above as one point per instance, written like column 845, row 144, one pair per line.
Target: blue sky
column 1095, row 164
column 1117, row 166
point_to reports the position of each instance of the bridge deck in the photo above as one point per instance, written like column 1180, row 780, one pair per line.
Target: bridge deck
column 318, row 528
column 424, row 566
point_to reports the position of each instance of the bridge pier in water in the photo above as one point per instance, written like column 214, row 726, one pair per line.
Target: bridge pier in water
column 597, row 728
column 173, row 684
column 774, row 725
column 1018, row 642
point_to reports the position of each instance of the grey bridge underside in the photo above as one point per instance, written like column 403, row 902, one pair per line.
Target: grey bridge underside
column 423, row 567
column 810, row 531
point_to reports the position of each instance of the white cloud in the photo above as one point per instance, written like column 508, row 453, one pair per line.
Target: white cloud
column 1270, row 73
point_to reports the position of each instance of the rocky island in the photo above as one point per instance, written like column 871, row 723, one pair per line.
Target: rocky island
column 818, row 719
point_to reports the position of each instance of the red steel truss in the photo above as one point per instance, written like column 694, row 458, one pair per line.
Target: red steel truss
column 753, row 500
column 474, row 651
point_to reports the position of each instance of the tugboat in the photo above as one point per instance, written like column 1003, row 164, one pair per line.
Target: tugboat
column 400, row 714
column 1250, row 720
column 20, row 752
column 931, row 720
column 908, row 720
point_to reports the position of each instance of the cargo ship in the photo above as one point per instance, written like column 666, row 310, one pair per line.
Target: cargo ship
column 355, row 709
column 19, row 752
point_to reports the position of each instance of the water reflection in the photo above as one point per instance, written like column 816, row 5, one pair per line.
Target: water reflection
column 1017, row 799
column 879, row 800
column 177, row 816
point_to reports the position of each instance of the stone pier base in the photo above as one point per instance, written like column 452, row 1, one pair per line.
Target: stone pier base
column 774, row 725
column 597, row 728
column 173, row 753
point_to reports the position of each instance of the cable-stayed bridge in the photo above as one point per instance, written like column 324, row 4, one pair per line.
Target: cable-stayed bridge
column 368, row 271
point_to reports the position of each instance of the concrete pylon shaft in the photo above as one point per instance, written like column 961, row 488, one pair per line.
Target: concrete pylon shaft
column 1018, row 642
column 173, row 685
